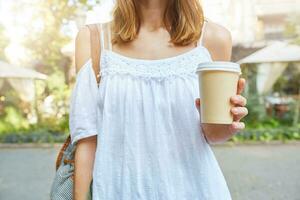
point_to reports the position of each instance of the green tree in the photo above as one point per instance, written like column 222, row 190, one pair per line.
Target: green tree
column 45, row 44
column 44, row 39
column 293, row 30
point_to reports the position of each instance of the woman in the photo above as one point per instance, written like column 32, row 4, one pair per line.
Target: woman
column 139, row 134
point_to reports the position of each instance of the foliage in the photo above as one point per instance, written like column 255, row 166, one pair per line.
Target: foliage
column 293, row 27
column 281, row 133
column 53, row 100
column 258, row 118
column 260, row 123
column 44, row 40
column 257, row 114
column 289, row 81
column 255, row 103
column 45, row 43
column 12, row 120
column 33, row 136
column 46, row 135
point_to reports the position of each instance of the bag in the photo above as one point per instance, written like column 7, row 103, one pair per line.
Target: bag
column 62, row 186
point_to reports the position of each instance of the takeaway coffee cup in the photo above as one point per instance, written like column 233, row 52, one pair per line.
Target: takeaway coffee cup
column 217, row 83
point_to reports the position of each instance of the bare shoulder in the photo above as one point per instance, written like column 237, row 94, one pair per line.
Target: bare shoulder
column 82, row 47
column 217, row 39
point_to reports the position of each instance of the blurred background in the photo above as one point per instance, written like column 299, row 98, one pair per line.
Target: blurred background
column 37, row 74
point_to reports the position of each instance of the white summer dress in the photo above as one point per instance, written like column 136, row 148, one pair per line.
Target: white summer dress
column 149, row 142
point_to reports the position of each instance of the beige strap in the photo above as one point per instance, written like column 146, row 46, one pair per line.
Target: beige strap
column 95, row 49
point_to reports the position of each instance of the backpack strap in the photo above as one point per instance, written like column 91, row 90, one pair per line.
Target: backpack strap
column 95, row 49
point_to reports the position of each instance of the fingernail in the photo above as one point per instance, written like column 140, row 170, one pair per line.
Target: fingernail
column 234, row 110
column 237, row 126
column 234, row 125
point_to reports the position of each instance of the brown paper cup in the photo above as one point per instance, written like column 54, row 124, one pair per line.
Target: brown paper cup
column 217, row 83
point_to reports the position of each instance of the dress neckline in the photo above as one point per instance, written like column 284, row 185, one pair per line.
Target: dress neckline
column 106, row 30
column 140, row 60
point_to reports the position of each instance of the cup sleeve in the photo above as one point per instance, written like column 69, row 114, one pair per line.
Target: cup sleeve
column 83, row 104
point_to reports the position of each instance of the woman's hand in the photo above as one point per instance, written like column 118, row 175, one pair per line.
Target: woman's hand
column 218, row 133
column 239, row 110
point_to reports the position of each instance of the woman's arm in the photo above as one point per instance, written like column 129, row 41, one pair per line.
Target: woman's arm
column 84, row 161
column 218, row 41
column 86, row 147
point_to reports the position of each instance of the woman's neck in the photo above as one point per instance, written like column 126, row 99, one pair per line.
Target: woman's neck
column 152, row 13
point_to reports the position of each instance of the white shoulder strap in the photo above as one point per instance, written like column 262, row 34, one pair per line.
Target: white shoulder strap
column 109, row 37
column 102, row 36
column 200, row 41
column 105, row 36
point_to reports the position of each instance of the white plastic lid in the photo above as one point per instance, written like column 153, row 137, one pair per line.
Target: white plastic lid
column 219, row 65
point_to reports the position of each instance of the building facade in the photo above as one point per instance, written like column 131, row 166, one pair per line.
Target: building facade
column 253, row 23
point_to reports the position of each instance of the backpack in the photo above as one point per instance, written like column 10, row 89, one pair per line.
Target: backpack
column 62, row 185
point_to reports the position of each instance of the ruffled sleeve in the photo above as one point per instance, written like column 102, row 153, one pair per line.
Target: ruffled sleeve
column 83, row 104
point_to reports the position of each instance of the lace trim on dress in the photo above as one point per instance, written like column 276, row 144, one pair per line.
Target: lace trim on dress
column 180, row 65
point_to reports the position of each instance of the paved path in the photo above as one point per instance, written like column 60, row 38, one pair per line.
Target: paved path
column 259, row 172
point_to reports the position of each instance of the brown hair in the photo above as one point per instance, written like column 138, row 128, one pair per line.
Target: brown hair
column 182, row 18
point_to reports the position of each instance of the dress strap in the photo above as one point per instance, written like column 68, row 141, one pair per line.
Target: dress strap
column 200, row 41
column 105, row 35
column 102, row 36
column 95, row 49
column 109, row 37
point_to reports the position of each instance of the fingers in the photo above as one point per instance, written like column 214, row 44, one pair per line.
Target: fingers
column 236, row 126
column 241, row 85
column 197, row 103
column 238, row 100
column 239, row 113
